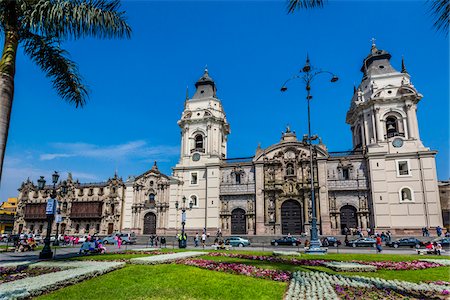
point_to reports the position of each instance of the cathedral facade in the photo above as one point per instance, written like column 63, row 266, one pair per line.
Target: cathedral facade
column 387, row 182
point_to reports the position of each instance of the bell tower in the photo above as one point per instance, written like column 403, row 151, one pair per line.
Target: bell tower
column 204, row 132
column 383, row 106
column 383, row 121
column 204, row 127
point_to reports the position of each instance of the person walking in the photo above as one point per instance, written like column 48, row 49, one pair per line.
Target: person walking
column 203, row 240
column 196, row 238
column 378, row 241
column 119, row 242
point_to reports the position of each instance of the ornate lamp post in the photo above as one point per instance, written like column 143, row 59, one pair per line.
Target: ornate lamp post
column 52, row 203
column 307, row 74
column 58, row 211
column 182, row 241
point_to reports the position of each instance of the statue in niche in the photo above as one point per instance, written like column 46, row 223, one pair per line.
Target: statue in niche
column 271, row 173
column 271, row 203
column 291, row 187
column 272, row 217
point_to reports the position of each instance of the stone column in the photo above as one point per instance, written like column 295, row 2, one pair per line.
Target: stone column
column 380, row 135
column 259, row 205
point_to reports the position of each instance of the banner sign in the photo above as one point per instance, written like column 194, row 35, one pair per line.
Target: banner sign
column 58, row 218
column 51, row 206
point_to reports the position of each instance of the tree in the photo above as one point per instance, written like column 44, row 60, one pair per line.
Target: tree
column 39, row 26
column 299, row 4
column 440, row 11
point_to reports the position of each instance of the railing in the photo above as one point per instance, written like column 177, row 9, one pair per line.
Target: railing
column 85, row 215
column 345, row 153
column 35, row 216
column 202, row 150
column 349, row 184
column 239, row 159
column 248, row 188
column 392, row 134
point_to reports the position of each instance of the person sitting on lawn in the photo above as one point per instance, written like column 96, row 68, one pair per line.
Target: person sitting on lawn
column 438, row 249
column 429, row 246
column 101, row 248
column 85, row 247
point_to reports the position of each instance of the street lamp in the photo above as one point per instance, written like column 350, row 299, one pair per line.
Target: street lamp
column 182, row 241
column 46, row 252
column 307, row 74
column 58, row 211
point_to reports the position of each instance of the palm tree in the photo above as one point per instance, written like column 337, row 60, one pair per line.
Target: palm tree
column 440, row 10
column 39, row 26
column 293, row 5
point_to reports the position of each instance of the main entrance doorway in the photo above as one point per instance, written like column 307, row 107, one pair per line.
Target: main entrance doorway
column 348, row 217
column 150, row 223
column 291, row 217
column 238, row 221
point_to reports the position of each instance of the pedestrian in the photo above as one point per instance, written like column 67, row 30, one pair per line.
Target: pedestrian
column 346, row 239
column 439, row 231
column 196, row 238
column 423, row 231
column 156, row 240
column 163, row 241
column 379, row 248
column 438, row 249
column 368, row 232
column 152, row 240
column 427, row 233
column 203, row 240
column 119, row 242
column 307, row 244
column 345, row 230
column 388, row 233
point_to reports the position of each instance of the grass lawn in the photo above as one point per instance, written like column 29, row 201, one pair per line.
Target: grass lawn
column 171, row 281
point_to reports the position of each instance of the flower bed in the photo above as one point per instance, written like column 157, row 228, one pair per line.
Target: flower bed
column 241, row 269
column 384, row 265
column 273, row 259
column 443, row 262
column 73, row 272
column 320, row 285
column 164, row 258
column 339, row 266
column 8, row 274
column 401, row 265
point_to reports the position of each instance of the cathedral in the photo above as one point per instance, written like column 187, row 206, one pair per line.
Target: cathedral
column 387, row 182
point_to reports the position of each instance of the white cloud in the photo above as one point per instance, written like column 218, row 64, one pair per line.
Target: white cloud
column 133, row 149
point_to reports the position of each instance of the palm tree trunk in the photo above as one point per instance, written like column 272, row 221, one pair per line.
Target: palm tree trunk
column 7, row 71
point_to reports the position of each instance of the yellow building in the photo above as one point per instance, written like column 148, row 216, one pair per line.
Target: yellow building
column 7, row 213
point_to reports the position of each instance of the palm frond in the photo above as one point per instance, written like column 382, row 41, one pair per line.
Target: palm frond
column 53, row 60
column 78, row 18
column 293, row 5
column 440, row 10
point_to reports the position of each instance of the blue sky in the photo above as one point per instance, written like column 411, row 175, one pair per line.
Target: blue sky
column 138, row 86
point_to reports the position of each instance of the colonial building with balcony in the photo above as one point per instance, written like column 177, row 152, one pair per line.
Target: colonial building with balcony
column 87, row 208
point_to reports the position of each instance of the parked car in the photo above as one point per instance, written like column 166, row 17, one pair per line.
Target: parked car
column 237, row 241
column 125, row 237
column 108, row 239
column 286, row 241
column 445, row 242
column 4, row 237
column 332, row 241
column 362, row 242
column 405, row 242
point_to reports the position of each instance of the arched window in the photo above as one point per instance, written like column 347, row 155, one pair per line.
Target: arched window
column 151, row 198
column 391, row 126
column 290, row 170
column 194, row 200
column 406, row 194
column 198, row 141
